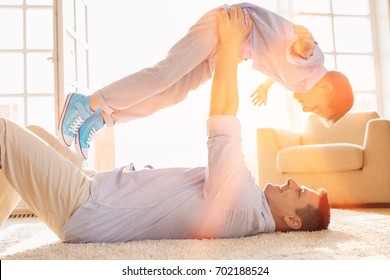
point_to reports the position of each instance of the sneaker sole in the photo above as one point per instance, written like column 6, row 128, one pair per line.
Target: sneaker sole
column 78, row 149
column 60, row 123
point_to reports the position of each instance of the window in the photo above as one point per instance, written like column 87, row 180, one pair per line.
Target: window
column 72, row 54
column 42, row 58
column 26, row 69
column 72, row 45
column 345, row 32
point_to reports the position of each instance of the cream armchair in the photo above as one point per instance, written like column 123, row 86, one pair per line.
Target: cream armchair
column 351, row 159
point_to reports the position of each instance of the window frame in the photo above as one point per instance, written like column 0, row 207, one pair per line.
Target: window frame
column 101, row 159
column 377, row 92
column 25, row 94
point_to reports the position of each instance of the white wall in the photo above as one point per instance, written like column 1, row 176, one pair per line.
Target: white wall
column 383, row 36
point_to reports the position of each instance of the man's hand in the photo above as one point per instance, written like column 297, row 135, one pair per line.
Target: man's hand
column 304, row 45
column 232, row 27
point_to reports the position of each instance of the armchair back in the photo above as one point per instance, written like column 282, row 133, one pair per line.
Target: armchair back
column 349, row 129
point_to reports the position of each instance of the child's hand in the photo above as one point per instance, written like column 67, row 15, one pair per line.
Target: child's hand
column 259, row 96
column 304, row 45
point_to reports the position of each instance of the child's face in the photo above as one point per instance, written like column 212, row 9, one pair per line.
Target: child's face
column 315, row 101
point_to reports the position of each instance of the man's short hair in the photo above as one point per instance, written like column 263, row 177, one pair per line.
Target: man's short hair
column 341, row 97
column 315, row 218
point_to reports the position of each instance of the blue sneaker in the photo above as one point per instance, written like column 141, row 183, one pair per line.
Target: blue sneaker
column 87, row 132
column 75, row 112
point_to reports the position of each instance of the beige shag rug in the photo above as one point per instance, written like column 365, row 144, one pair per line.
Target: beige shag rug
column 352, row 235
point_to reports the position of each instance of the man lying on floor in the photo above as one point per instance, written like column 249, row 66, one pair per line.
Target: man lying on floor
column 217, row 201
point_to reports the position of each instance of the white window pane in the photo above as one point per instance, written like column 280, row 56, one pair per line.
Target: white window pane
column 11, row 73
column 41, row 112
column 11, row 29
column 81, row 27
column 330, row 62
column 351, row 7
column 365, row 102
column 11, row 2
column 69, row 58
column 359, row 69
column 40, row 74
column 353, row 34
column 68, row 14
column 321, row 28
column 12, row 108
column 82, row 71
column 310, row 6
column 40, row 2
column 39, row 28
column 68, row 88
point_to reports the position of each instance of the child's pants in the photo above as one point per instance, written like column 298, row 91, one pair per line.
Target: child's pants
column 189, row 63
column 53, row 185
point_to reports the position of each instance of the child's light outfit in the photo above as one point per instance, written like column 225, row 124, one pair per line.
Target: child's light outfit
column 191, row 62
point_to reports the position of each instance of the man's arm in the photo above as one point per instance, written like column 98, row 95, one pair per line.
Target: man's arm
column 226, row 173
column 224, row 91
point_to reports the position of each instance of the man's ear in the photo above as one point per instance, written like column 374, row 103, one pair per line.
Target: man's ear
column 293, row 222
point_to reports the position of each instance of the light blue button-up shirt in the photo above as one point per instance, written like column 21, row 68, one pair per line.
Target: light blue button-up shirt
column 221, row 200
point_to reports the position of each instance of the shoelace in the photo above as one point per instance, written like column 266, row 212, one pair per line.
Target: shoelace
column 75, row 125
column 91, row 135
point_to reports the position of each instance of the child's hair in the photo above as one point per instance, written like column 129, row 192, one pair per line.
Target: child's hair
column 340, row 98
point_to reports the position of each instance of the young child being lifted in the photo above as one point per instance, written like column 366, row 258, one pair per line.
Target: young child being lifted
column 285, row 52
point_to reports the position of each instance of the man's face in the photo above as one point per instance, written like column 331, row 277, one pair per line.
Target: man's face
column 285, row 199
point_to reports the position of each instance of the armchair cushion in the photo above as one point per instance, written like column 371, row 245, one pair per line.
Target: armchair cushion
column 320, row 158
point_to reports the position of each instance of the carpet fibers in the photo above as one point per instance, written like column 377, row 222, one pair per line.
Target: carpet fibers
column 352, row 235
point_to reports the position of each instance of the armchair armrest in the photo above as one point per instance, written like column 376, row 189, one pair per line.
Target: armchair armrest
column 377, row 143
column 376, row 159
